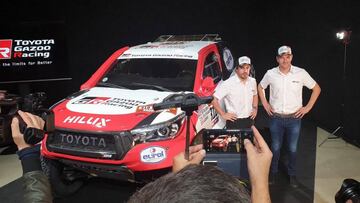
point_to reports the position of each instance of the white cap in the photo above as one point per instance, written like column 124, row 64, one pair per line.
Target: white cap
column 243, row 60
column 284, row 50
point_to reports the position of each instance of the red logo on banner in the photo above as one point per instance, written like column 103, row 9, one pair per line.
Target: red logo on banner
column 5, row 48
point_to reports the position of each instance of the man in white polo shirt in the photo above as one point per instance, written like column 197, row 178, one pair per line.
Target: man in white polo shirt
column 240, row 97
column 286, row 107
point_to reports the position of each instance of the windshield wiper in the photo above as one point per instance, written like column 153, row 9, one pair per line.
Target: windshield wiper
column 150, row 85
column 104, row 84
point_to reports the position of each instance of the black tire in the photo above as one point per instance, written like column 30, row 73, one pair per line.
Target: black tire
column 61, row 185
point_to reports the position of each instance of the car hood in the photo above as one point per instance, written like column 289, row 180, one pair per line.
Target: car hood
column 112, row 109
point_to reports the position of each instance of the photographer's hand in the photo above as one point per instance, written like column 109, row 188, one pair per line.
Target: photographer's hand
column 32, row 121
column 258, row 160
column 196, row 155
column 36, row 184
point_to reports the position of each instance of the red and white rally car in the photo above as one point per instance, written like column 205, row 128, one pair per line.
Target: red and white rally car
column 221, row 143
column 109, row 129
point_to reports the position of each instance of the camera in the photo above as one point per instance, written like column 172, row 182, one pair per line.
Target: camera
column 32, row 103
column 350, row 190
column 225, row 149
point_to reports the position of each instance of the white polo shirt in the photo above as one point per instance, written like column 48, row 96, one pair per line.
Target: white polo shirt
column 286, row 89
column 237, row 95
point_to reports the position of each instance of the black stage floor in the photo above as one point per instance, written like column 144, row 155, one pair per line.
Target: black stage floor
column 101, row 190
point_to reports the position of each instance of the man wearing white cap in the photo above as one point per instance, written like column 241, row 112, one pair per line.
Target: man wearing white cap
column 286, row 107
column 240, row 97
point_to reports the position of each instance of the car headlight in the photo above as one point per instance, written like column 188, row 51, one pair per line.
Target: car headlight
column 159, row 131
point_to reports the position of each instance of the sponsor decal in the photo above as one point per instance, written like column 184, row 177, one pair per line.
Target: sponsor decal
column 126, row 55
column 153, row 155
column 214, row 116
column 150, row 108
column 172, row 110
column 83, row 140
column 204, row 114
column 5, row 48
column 108, row 101
column 85, row 120
column 173, row 43
column 148, row 46
column 145, row 108
column 160, row 55
column 207, row 117
column 228, row 59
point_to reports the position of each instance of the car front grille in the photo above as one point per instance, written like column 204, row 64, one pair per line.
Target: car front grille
column 93, row 145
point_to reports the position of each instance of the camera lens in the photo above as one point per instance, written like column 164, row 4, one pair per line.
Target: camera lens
column 350, row 190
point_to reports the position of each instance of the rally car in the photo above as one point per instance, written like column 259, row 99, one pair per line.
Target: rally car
column 109, row 127
column 220, row 143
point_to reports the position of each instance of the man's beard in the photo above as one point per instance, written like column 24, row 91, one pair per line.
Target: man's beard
column 244, row 76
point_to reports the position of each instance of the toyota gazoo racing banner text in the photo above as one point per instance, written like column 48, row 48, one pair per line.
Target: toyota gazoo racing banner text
column 24, row 49
column 32, row 51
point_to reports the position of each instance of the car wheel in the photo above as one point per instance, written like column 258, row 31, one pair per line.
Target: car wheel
column 64, row 181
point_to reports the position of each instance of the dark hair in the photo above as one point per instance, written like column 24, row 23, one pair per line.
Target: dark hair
column 194, row 183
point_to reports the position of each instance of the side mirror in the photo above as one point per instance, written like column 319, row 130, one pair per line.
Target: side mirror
column 207, row 86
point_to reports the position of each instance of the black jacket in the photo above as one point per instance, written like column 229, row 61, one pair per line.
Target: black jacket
column 36, row 184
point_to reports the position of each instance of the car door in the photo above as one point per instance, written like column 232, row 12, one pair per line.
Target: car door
column 210, row 76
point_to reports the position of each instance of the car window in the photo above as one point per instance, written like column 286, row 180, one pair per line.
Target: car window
column 142, row 73
column 212, row 68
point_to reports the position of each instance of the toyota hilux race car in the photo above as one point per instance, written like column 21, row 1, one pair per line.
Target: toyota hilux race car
column 109, row 128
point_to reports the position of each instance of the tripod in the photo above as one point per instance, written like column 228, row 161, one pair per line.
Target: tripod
column 345, row 37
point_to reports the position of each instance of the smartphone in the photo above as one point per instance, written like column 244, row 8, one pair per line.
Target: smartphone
column 225, row 149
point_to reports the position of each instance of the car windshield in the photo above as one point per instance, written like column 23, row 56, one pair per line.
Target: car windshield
column 151, row 73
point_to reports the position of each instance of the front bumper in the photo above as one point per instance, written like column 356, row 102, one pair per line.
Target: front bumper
column 124, row 154
column 118, row 172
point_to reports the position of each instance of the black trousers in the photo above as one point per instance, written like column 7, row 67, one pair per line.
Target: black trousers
column 240, row 123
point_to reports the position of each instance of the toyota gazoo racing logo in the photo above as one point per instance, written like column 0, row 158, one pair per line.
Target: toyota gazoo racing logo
column 153, row 155
column 19, row 48
column 5, row 48
column 83, row 140
column 33, row 48
column 109, row 101
column 85, row 120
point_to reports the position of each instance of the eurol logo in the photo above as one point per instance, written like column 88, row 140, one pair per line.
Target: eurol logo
column 153, row 155
column 85, row 120
column 5, row 48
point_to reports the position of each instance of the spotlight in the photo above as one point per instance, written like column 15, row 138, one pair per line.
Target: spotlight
column 340, row 35
column 344, row 36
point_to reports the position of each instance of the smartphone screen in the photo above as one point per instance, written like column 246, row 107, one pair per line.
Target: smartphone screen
column 223, row 141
